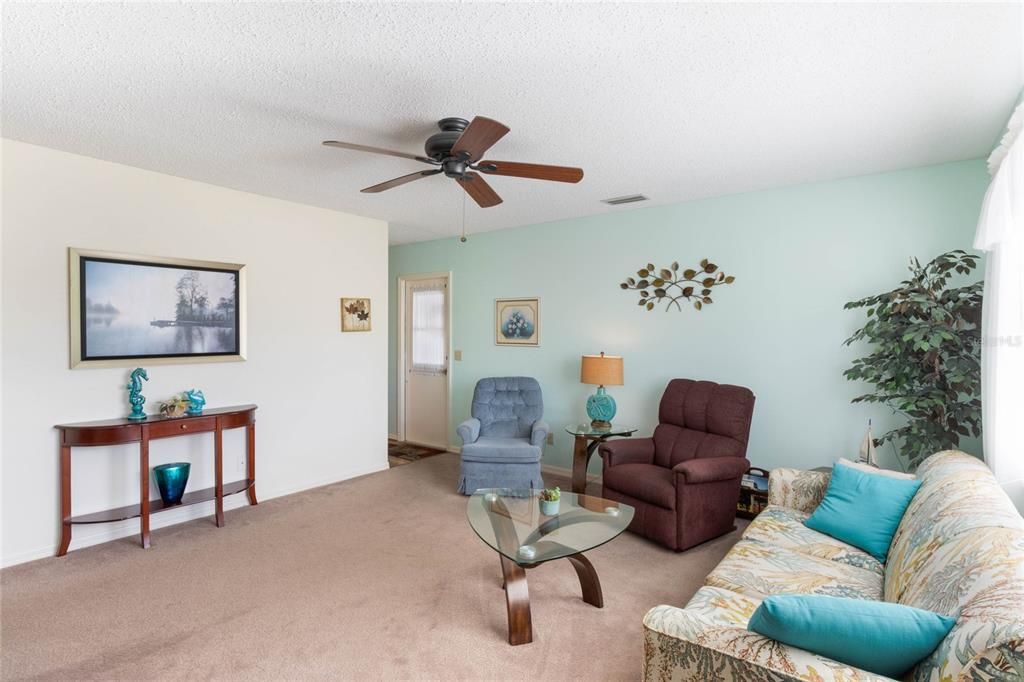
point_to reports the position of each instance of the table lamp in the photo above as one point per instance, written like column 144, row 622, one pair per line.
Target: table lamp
column 601, row 370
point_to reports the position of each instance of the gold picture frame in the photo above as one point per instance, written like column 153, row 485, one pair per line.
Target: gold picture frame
column 355, row 315
column 101, row 334
column 517, row 322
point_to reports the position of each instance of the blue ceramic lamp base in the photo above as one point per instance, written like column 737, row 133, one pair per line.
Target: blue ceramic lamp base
column 601, row 409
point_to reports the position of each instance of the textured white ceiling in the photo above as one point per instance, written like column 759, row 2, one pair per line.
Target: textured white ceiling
column 675, row 101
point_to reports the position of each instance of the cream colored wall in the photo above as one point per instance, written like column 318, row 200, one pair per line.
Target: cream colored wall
column 322, row 394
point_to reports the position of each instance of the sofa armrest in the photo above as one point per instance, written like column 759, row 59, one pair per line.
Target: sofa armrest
column 797, row 489
column 711, row 469
column 627, row 451
column 469, row 430
column 680, row 644
column 539, row 432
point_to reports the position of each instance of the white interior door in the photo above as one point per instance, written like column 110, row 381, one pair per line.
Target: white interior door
column 426, row 361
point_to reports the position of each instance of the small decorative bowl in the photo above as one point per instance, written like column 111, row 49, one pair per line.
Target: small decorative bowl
column 173, row 409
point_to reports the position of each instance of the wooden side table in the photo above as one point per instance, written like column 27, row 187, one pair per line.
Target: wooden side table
column 587, row 438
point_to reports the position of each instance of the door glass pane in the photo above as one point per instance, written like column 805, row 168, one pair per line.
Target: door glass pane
column 428, row 330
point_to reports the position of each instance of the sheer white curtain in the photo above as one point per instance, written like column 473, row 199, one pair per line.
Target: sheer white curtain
column 1001, row 234
column 428, row 332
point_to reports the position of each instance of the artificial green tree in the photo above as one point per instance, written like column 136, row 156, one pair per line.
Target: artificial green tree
column 925, row 361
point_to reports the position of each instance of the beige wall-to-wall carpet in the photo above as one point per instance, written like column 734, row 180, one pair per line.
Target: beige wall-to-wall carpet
column 375, row 577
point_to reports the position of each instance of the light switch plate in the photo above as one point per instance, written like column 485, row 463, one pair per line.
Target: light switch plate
column 458, row 356
column 551, row 439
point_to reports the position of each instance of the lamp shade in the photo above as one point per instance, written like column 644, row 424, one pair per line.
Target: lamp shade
column 602, row 370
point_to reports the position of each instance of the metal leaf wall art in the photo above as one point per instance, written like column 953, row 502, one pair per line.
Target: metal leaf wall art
column 669, row 286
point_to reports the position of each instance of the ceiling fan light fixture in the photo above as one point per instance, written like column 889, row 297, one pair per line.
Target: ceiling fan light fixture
column 457, row 151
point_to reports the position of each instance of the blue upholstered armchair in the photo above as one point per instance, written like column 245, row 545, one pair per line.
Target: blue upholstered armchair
column 503, row 441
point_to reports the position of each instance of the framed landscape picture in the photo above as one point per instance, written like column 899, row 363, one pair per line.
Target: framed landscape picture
column 127, row 309
column 355, row 315
column 517, row 321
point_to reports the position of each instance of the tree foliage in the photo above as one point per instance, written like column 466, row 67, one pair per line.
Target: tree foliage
column 192, row 297
column 925, row 362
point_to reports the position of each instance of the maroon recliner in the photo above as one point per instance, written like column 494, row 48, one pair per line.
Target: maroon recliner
column 685, row 481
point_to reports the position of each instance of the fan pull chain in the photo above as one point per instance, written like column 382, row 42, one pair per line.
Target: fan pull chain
column 463, row 237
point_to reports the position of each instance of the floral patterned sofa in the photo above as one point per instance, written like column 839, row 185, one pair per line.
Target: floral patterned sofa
column 958, row 551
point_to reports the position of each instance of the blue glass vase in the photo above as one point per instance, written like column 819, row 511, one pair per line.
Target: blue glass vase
column 171, row 480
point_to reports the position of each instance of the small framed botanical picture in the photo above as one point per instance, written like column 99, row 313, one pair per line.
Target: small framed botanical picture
column 355, row 315
column 517, row 321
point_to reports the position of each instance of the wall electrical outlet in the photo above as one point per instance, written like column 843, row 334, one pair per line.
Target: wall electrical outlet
column 458, row 356
column 551, row 439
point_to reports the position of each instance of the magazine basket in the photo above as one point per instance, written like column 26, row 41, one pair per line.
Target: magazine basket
column 752, row 497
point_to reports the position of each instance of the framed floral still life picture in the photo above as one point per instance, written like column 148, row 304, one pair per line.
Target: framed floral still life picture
column 355, row 315
column 517, row 321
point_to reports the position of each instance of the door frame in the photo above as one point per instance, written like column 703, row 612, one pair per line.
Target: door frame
column 400, row 360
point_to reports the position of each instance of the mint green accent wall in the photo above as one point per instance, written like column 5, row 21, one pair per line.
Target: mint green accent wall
column 798, row 254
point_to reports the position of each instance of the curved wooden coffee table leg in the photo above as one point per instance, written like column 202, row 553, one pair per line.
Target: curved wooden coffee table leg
column 517, row 598
column 588, row 580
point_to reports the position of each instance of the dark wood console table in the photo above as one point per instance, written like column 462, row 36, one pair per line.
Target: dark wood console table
column 118, row 431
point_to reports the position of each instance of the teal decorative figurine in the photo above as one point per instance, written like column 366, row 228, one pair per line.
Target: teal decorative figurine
column 135, row 396
column 196, row 401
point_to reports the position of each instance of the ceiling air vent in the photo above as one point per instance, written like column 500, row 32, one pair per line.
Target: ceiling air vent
column 615, row 201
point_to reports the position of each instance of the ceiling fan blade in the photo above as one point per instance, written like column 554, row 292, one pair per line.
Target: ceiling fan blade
column 531, row 170
column 378, row 150
column 395, row 182
column 478, row 188
column 478, row 137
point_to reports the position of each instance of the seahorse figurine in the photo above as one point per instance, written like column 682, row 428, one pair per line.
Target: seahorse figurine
column 135, row 396
column 197, row 401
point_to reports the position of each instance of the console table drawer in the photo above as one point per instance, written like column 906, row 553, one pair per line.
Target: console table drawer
column 166, row 429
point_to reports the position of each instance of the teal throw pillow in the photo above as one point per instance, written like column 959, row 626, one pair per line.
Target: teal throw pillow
column 863, row 509
column 877, row 636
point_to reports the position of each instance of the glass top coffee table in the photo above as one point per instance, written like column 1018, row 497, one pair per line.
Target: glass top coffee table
column 511, row 523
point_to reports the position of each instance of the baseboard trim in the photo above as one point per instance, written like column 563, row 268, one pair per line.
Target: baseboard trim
column 567, row 473
column 123, row 529
column 393, row 436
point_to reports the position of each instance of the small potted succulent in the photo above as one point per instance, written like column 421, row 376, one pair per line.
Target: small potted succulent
column 549, row 501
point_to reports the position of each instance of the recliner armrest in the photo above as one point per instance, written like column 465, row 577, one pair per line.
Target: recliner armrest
column 711, row 469
column 469, row 430
column 628, row 451
column 539, row 432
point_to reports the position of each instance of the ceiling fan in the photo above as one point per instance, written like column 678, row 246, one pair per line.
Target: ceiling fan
column 456, row 151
